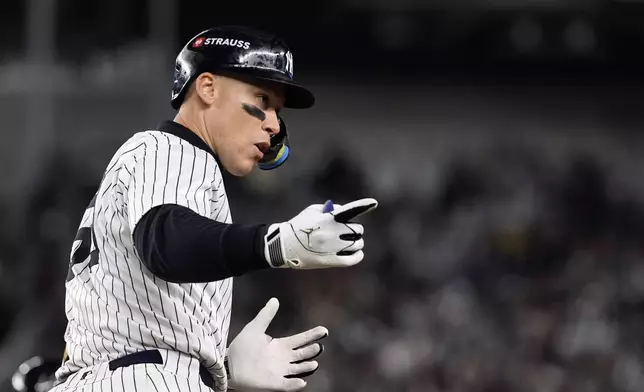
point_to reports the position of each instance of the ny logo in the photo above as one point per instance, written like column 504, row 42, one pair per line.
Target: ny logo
column 289, row 64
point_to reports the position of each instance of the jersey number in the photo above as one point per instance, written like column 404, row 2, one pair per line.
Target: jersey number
column 87, row 250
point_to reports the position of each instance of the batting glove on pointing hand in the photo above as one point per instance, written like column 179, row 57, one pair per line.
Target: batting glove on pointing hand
column 321, row 236
column 258, row 362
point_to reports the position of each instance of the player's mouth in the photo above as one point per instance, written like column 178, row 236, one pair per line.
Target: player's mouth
column 262, row 148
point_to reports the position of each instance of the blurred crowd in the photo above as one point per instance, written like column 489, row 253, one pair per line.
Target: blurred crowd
column 515, row 274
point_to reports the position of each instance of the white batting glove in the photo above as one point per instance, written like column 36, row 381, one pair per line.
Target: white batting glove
column 258, row 362
column 321, row 236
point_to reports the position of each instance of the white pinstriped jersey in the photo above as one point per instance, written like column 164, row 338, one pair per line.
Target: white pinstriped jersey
column 114, row 304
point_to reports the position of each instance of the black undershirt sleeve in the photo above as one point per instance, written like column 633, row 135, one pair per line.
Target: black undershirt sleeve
column 178, row 245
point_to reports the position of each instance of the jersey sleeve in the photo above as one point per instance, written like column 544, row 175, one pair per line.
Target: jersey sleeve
column 166, row 170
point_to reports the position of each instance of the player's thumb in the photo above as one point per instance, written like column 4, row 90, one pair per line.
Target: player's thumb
column 349, row 211
column 266, row 315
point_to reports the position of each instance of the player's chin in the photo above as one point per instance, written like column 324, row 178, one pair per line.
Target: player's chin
column 242, row 168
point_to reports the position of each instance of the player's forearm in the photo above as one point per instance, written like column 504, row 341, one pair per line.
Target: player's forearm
column 179, row 245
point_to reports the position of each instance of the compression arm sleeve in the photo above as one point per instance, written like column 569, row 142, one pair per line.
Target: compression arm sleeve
column 178, row 245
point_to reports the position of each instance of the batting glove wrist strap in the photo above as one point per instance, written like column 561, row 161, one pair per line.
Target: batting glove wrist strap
column 321, row 236
column 273, row 249
column 257, row 361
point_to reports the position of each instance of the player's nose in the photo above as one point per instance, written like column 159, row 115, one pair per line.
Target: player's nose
column 271, row 124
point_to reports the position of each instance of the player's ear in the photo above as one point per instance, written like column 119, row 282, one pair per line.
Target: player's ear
column 206, row 87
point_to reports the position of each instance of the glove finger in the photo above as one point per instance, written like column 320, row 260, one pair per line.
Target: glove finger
column 302, row 368
column 266, row 315
column 353, row 248
column 307, row 353
column 291, row 384
column 302, row 375
column 354, row 209
column 355, row 232
column 350, row 260
column 305, row 338
column 316, row 207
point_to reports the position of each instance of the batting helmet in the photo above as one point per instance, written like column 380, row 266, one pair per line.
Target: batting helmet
column 244, row 53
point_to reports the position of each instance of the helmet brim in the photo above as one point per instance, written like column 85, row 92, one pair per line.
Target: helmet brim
column 296, row 96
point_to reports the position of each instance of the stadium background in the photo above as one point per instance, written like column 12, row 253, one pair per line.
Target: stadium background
column 502, row 138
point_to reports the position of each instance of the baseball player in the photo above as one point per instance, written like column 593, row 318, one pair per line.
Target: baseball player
column 149, row 288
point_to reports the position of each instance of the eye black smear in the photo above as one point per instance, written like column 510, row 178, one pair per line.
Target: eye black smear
column 254, row 111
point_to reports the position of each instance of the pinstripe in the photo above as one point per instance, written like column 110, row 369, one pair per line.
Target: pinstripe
column 97, row 324
column 108, row 317
column 132, row 203
column 165, row 356
column 192, row 171
column 126, row 152
column 219, row 212
column 98, row 373
column 201, row 385
column 120, row 290
column 176, row 192
column 71, row 351
column 201, row 298
column 167, row 169
column 185, row 331
column 107, row 297
column 226, row 315
column 147, row 295
column 133, row 370
column 102, row 377
column 223, row 294
column 216, row 366
column 120, row 371
column 194, row 310
column 111, row 384
column 218, row 198
column 73, row 381
column 206, row 196
column 216, row 291
column 91, row 314
column 151, row 381
column 142, row 188
column 131, row 283
column 187, row 383
column 163, row 377
column 128, row 337
column 145, row 286
column 98, row 321
column 203, row 181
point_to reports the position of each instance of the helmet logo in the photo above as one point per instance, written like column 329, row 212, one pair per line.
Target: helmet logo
column 289, row 64
column 198, row 42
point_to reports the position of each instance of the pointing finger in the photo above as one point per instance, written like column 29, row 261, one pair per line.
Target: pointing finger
column 349, row 211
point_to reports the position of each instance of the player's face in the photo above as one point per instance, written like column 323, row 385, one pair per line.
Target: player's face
column 246, row 118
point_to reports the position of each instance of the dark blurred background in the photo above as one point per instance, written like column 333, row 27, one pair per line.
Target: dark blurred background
column 501, row 137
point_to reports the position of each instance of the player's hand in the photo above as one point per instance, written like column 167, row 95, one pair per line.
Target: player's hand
column 321, row 236
column 258, row 362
